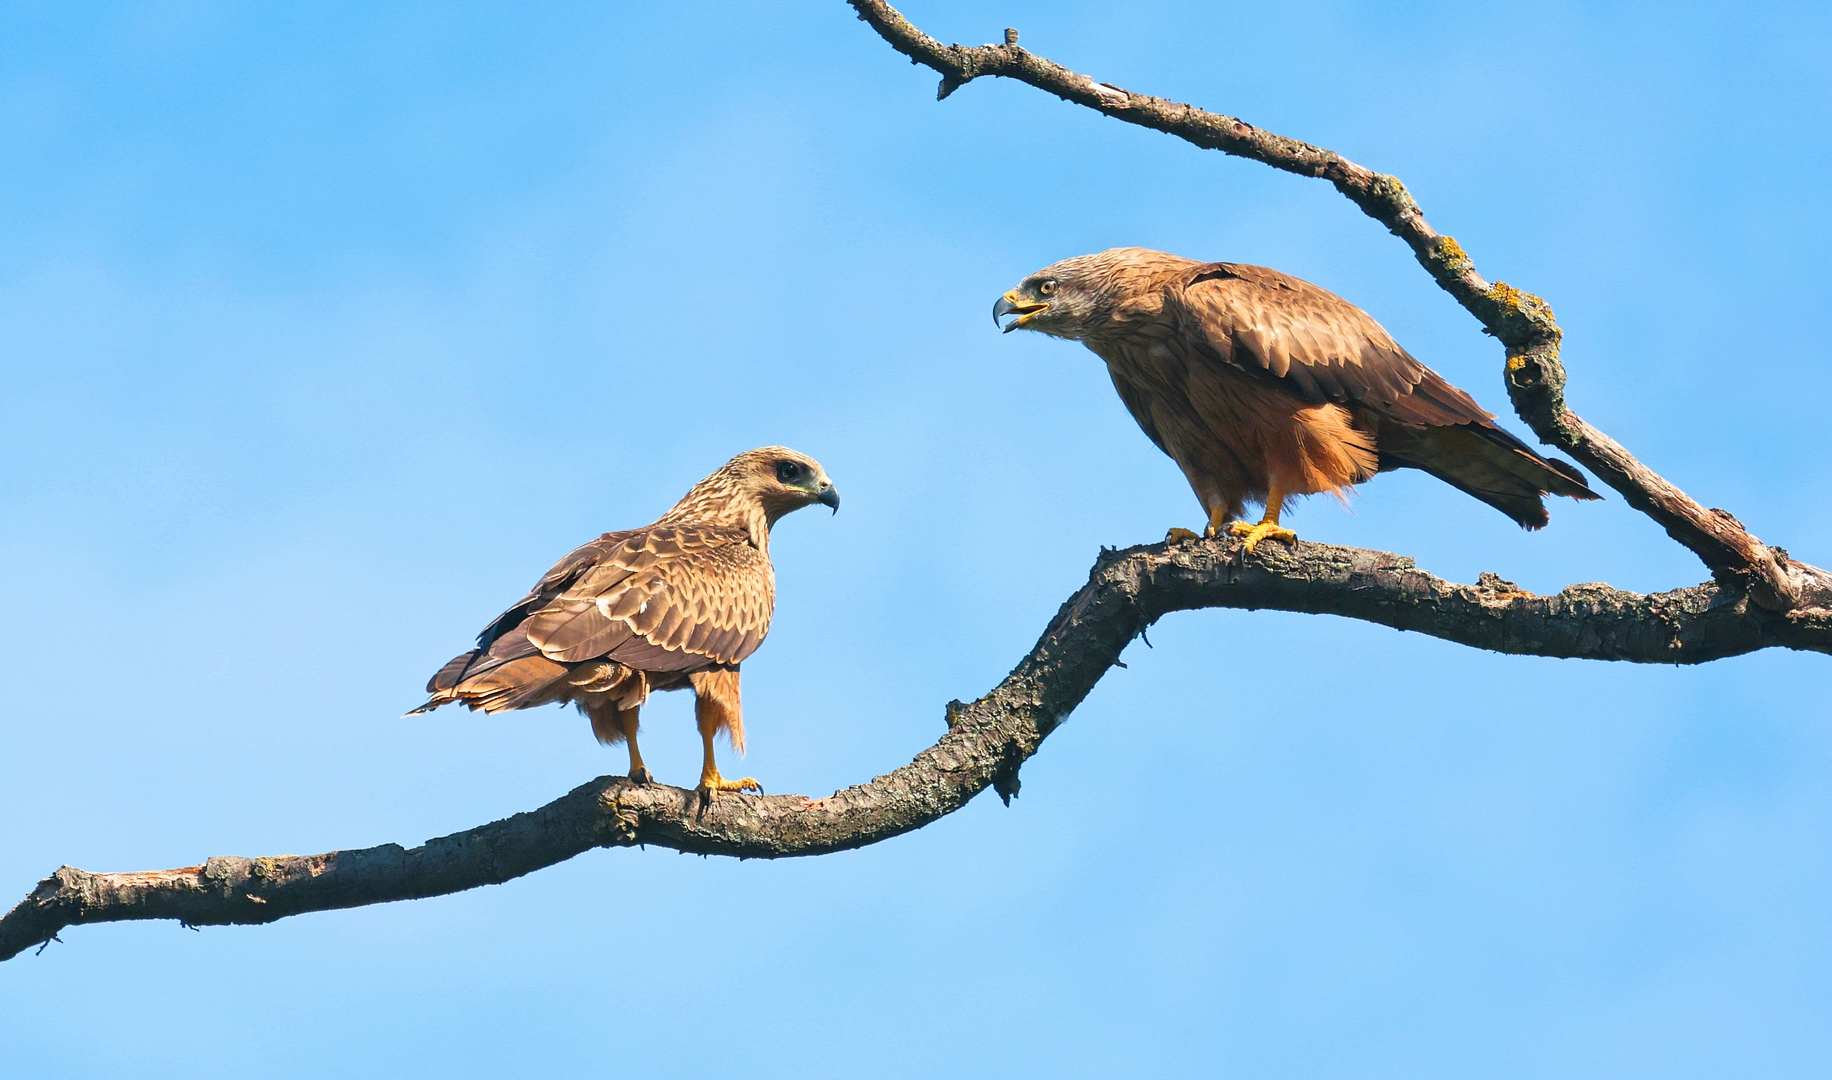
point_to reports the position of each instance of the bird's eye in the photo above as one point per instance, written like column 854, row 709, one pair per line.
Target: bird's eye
column 787, row 471
column 1046, row 286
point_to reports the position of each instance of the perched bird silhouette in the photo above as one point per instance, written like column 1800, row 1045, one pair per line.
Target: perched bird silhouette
column 1262, row 387
column 679, row 603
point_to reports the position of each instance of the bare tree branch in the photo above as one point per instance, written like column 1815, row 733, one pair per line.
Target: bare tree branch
column 1523, row 322
column 986, row 742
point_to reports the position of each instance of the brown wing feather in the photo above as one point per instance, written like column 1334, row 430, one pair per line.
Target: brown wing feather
column 518, row 684
column 1317, row 345
column 510, row 674
column 668, row 598
column 1321, row 348
column 554, row 582
column 677, row 598
column 492, row 649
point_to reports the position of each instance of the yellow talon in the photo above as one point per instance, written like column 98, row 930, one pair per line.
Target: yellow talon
column 1178, row 536
column 1265, row 530
column 711, row 783
column 1268, row 526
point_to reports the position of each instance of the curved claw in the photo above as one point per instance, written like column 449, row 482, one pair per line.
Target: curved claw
column 1265, row 530
column 1180, row 536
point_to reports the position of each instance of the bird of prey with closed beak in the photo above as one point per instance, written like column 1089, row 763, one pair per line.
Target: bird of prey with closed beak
column 1262, row 387
column 676, row 604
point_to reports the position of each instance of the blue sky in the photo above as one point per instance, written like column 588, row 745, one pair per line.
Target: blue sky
column 327, row 329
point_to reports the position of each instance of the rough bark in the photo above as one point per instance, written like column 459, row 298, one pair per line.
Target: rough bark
column 985, row 744
column 1523, row 322
column 1759, row 599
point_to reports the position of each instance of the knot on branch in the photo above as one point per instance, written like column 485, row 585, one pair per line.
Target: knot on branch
column 64, row 878
column 1517, row 317
column 1391, row 191
column 618, row 821
column 1535, row 369
column 1774, row 586
column 1535, row 378
column 969, row 64
column 1499, row 589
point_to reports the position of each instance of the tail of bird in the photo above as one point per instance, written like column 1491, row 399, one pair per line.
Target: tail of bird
column 1485, row 462
column 511, row 675
column 444, row 681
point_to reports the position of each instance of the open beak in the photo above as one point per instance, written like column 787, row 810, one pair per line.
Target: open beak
column 830, row 496
column 1012, row 304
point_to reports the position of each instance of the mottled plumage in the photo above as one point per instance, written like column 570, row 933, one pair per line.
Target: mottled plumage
column 675, row 604
column 1261, row 386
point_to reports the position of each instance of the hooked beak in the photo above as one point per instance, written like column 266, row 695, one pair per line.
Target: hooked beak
column 830, row 496
column 1012, row 304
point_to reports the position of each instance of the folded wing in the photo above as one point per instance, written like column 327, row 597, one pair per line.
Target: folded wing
column 666, row 601
column 671, row 598
column 1320, row 348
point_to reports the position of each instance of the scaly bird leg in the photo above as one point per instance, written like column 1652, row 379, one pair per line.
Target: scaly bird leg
column 711, row 783
column 1268, row 528
column 717, row 709
column 638, row 771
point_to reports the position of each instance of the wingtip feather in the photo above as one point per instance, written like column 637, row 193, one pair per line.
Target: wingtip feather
column 1570, row 472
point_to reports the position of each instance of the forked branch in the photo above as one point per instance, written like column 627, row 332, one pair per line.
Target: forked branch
column 988, row 740
column 1523, row 322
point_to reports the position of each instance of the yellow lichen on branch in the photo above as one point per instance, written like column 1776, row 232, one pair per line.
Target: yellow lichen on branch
column 1455, row 260
column 1513, row 301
